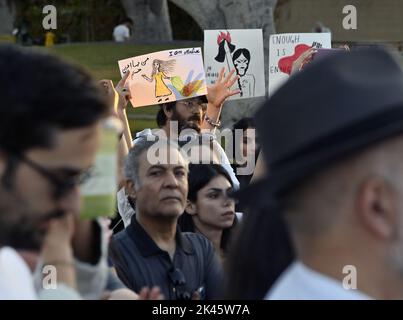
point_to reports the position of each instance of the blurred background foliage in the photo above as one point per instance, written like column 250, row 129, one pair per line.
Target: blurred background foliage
column 93, row 20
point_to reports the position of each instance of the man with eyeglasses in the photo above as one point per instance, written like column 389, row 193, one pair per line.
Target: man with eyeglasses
column 152, row 251
column 197, row 113
column 59, row 109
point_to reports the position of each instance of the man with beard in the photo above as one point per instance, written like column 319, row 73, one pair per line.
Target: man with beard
column 195, row 114
column 59, row 109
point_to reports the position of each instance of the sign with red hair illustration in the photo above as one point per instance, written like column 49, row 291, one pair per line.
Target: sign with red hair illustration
column 241, row 50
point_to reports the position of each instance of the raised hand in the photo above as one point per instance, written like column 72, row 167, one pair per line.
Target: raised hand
column 303, row 59
column 111, row 96
column 123, row 92
column 221, row 90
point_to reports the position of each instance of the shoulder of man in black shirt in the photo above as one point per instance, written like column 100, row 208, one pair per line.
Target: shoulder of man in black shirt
column 139, row 262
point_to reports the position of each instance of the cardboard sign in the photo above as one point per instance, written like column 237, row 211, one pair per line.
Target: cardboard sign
column 285, row 49
column 165, row 76
column 241, row 50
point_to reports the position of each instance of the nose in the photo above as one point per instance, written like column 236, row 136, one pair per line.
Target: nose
column 71, row 202
column 228, row 201
column 170, row 180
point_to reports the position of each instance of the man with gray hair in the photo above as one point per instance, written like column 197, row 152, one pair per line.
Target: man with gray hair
column 152, row 251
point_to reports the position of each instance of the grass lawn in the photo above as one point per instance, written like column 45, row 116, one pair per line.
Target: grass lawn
column 100, row 59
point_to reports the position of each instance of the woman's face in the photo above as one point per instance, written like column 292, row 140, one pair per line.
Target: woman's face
column 241, row 64
column 213, row 208
column 248, row 142
column 156, row 65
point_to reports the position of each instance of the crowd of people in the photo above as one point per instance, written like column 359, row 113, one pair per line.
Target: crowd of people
column 325, row 196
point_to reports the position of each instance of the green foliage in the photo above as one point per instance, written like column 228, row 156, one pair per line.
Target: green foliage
column 77, row 20
column 94, row 20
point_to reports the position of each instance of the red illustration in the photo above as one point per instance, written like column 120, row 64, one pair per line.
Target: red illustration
column 285, row 63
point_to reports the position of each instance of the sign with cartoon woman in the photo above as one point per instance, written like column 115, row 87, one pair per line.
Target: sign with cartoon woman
column 165, row 76
column 241, row 50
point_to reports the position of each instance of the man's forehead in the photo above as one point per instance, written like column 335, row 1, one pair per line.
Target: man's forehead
column 163, row 157
column 194, row 100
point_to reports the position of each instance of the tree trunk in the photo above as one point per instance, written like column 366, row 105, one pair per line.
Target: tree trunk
column 7, row 15
column 235, row 14
column 150, row 18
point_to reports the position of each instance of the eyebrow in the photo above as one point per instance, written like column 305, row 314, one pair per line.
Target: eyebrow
column 156, row 166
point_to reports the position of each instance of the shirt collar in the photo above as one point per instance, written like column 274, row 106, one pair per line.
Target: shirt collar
column 301, row 282
column 146, row 244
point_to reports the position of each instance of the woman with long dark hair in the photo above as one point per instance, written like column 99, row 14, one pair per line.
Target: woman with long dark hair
column 210, row 211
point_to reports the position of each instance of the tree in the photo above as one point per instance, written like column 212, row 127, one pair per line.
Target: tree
column 7, row 15
column 235, row 14
column 151, row 19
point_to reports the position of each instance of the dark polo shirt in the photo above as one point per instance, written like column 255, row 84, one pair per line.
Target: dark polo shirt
column 139, row 263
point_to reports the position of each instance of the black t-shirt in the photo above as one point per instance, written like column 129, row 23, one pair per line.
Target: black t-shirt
column 139, row 263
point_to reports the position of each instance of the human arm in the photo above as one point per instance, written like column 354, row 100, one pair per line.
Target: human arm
column 147, row 78
column 302, row 60
column 217, row 94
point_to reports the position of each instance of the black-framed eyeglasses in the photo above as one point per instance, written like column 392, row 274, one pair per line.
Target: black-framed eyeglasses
column 61, row 185
column 194, row 104
column 178, row 282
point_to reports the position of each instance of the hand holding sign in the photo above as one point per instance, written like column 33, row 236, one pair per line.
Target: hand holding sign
column 123, row 92
column 165, row 76
column 302, row 60
column 289, row 52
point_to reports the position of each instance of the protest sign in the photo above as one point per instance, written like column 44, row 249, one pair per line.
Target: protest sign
column 241, row 50
column 165, row 76
column 285, row 49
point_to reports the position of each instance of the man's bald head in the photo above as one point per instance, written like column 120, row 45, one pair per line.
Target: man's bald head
column 338, row 197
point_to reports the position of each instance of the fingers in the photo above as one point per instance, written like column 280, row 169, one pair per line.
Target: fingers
column 221, row 75
column 105, row 295
column 123, row 81
column 232, row 81
column 308, row 53
column 228, row 77
column 151, row 294
column 196, row 296
column 155, row 294
column 106, row 83
column 233, row 92
column 143, row 294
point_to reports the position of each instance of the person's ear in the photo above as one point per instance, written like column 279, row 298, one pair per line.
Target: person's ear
column 130, row 189
column 167, row 111
column 377, row 207
column 191, row 208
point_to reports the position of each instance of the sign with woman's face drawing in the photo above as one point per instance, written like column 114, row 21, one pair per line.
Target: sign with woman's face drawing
column 241, row 50
column 165, row 76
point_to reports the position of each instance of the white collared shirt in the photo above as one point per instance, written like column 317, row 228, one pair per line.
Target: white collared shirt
column 16, row 282
column 298, row 282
